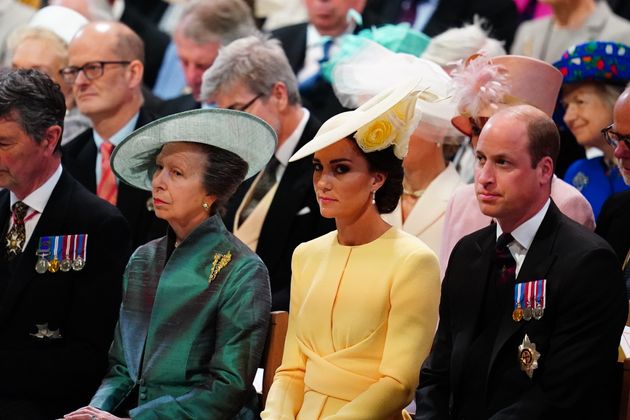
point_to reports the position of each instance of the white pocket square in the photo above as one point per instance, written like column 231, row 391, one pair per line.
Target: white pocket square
column 305, row 210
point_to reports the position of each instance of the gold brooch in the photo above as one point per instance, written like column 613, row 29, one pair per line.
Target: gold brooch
column 219, row 261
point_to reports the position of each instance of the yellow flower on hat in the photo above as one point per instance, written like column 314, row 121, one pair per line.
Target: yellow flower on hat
column 378, row 134
column 393, row 127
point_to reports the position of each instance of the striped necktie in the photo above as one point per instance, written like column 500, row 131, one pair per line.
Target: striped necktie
column 107, row 187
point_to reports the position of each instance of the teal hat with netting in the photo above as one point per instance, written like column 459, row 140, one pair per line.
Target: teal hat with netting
column 399, row 38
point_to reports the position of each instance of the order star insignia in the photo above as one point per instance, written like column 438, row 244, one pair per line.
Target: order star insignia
column 44, row 332
column 528, row 356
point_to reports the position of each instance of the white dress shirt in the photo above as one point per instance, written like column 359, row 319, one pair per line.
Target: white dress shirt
column 524, row 236
column 36, row 201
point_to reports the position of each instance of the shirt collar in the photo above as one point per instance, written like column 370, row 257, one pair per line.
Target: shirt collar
column 285, row 151
column 38, row 199
column 120, row 135
column 314, row 38
column 525, row 232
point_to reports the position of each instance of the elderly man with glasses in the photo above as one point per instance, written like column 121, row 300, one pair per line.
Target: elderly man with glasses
column 613, row 223
column 277, row 210
column 105, row 71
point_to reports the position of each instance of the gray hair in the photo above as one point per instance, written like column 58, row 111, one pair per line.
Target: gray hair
column 38, row 33
column 220, row 21
column 610, row 94
column 255, row 60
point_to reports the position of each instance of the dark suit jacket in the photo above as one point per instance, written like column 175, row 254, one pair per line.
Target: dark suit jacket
column 501, row 15
column 321, row 99
column 577, row 337
column 178, row 104
column 613, row 223
column 79, row 158
column 155, row 41
column 56, row 376
column 283, row 229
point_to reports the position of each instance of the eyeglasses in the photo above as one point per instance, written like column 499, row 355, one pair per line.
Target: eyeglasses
column 247, row 105
column 91, row 70
column 613, row 138
column 477, row 124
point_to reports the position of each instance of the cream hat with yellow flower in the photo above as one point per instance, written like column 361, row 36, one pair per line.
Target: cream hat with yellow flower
column 388, row 119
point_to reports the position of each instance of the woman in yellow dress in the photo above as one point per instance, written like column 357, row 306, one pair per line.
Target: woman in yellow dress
column 364, row 298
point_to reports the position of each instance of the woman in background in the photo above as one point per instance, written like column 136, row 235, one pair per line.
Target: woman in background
column 595, row 74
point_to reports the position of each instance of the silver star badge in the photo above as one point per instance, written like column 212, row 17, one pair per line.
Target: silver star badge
column 528, row 356
column 44, row 332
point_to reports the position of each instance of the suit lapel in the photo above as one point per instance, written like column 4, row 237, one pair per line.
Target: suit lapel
column 296, row 183
column 49, row 223
column 539, row 259
column 471, row 296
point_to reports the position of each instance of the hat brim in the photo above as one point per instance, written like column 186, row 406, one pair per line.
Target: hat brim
column 251, row 138
column 462, row 124
column 344, row 124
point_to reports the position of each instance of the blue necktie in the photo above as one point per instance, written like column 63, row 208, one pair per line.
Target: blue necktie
column 308, row 84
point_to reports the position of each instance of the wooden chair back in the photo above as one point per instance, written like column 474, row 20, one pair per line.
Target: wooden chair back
column 272, row 358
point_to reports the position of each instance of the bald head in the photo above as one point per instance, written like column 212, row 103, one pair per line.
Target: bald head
column 110, row 93
column 621, row 126
column 117, row 37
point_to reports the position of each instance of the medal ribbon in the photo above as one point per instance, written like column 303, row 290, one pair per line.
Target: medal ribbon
column 58, row 247
column 84, row 252
column 67, row 239
column 82, row 245
column 518, row 295
column 44, row 245
column 542, row 291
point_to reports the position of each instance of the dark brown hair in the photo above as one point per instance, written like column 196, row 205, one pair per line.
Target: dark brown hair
column 386, row 162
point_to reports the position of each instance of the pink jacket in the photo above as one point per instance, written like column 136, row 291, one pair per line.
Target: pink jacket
column 463, row 215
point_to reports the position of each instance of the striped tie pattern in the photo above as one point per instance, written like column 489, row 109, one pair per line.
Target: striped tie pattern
column 107, row 188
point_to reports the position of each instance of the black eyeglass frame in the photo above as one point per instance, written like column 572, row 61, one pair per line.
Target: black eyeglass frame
column 247, row 105
column 613, row 138
column 70, row 73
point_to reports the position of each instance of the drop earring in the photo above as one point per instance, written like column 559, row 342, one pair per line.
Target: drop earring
column 374, row 197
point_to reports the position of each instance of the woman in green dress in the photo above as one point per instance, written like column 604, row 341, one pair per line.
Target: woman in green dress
column 196, row 302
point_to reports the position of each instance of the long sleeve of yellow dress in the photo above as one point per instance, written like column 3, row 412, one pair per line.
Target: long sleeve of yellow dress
column 361, row 324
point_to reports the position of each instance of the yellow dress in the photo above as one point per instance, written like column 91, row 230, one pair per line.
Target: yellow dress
column 361, row 323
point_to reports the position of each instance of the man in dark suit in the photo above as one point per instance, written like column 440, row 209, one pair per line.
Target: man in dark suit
column 276, row 210
column 106, row 83
column 204, row 27
column 308, row 44
column 501, row 15
column 532, row 307
column 613, row 223
column 58, row 304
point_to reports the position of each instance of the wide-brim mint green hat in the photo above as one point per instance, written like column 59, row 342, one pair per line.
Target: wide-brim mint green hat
column 251, row 138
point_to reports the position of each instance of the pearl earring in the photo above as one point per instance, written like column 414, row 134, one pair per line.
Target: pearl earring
column 374, row 197
column 205, row 206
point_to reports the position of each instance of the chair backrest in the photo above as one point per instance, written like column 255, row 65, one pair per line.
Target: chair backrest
column 272, row 358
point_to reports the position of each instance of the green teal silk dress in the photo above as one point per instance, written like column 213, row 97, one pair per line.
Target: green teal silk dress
column 192, row 329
